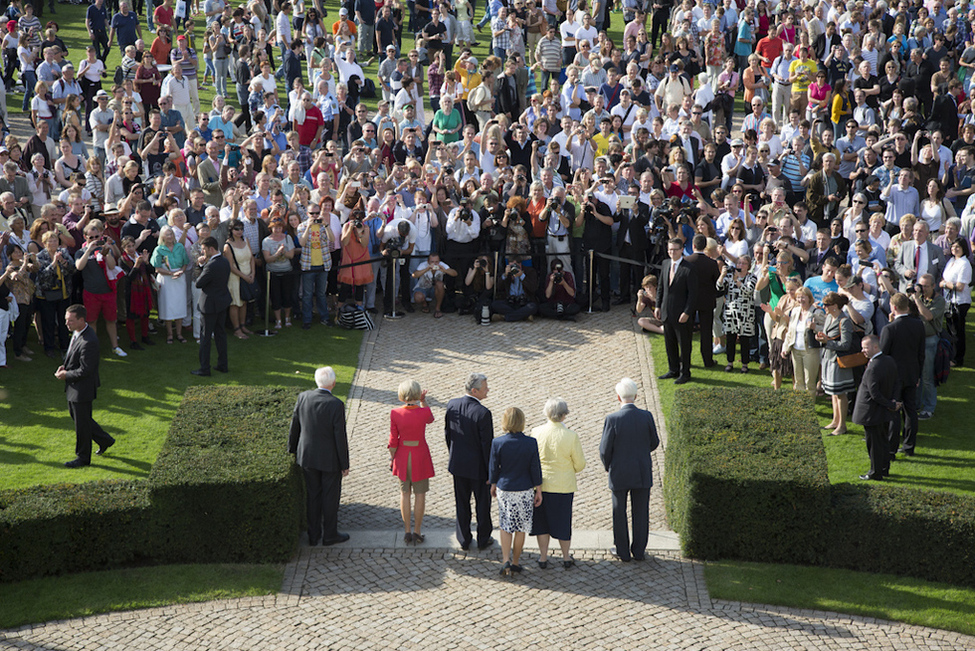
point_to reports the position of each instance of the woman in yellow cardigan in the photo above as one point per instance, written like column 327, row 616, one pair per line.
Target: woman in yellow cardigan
column 561, row 457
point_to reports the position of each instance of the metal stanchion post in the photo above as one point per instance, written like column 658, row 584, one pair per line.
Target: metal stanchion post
column 496, row 261
column 268, row 332
column 591, row 286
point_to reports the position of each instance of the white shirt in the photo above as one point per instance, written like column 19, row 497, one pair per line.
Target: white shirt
column 459, row 231
column 568, row 31
column 178, row 89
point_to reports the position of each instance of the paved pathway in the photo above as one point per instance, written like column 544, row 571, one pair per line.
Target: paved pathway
column 374, row 593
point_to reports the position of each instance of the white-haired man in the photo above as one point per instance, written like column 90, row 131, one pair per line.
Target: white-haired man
column 629, row 436
column 321, row 447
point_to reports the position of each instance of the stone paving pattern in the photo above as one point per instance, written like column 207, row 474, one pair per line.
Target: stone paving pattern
column 437, row 598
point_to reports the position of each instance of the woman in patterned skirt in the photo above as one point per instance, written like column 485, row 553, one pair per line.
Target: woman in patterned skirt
column 515, row 473
column 836, row 338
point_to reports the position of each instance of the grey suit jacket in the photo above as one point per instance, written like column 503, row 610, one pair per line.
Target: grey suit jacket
column 81, row 363
column 209, row 180
column 629, row 436
column 905, row 262
column 318, row 437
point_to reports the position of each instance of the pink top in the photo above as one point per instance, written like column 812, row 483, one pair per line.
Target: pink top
column 407, row 433
column 818, row 92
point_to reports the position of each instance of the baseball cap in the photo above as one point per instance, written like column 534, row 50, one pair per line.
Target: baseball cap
column 472, row 61
column 737, row 142
column 181, row 37
column 343, row 12
column 674, row 67
column 776, row 162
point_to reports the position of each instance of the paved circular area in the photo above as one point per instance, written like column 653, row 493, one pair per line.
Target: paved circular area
column 390, row 597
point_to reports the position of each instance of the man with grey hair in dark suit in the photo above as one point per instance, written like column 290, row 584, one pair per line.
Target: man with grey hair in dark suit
column 629, row 436
column 321, row 447
column 469, row 430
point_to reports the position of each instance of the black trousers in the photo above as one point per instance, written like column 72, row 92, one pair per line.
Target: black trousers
column 324, row 490
column 56, row 335
column 732, row 343
column 640, row 507
column 480, row 490
column 907, row 417
column 878, row 449
column 86, row 430
column 459, row 256
column 705, row 319
column 600, row 276
column 677, row 340
column 631, row 275
column 213, row 326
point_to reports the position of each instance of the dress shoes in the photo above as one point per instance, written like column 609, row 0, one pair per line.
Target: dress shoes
column 621, row 301
column 710, row 364
column 639, row 557
column 102, row 449
column 341, row 538
column 77, row 462
column 222, row 369
column 869, row 477
column 200, row 372
column 906, row 453
column 484, row 545
column 670, row 375
column 466, row 546
column 623, row 559
column 684, row 379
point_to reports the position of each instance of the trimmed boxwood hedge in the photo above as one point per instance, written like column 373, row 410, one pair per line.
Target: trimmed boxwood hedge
column 223, row 489
column 746, row 475
column 746, row 479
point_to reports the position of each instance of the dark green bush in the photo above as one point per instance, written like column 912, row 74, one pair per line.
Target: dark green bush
column 72, row 528
column 223, row 489
column 926, row 534
column 746, row 475
column 746, row 479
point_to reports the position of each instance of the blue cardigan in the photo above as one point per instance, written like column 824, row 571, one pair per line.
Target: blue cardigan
column 515, row 464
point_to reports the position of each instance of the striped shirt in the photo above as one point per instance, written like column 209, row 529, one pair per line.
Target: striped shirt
column 549, row 54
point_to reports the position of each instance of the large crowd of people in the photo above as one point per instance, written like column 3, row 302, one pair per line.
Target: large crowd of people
column 564, row 171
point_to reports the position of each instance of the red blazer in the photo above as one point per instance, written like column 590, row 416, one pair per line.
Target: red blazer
column 407, row 433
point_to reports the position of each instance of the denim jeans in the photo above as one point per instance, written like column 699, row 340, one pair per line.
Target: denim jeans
column 313, row 284
column 929, row 393
column 29, row 79
column 221, row 67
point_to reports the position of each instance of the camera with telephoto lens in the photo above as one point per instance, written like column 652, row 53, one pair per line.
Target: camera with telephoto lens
column 514, row 269
column 357, row 222
column 558, row 275
column 466, row 215
column 394, row 246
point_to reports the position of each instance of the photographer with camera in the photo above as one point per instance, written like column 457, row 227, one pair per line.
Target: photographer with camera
column 96, row 261
column 597, row 236
column 517, row 294
column 478, row 284
column 560, row 294
column 429, row 285
column 463, row 232
column 558, row 215
column 397, row 238
column 355, row 272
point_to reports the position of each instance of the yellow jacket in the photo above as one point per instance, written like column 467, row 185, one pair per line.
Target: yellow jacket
column 561, row 455
column 468, row 80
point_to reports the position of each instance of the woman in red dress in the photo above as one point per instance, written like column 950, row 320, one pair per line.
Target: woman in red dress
column 410, row 455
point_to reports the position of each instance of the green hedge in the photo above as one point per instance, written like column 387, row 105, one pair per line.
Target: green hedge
column 927, row 534
column 746, row 475
column 223, row 489
column 746, row 479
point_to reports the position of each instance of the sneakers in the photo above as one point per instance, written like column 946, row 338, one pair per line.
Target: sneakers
column 718, row 350
column 118, row 351
column 924, row 415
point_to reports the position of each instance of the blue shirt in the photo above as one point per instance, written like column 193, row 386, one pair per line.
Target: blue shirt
column 97, row 18
column 125, row 27
column 173, row 118
column 515, row 464
column 820, row 288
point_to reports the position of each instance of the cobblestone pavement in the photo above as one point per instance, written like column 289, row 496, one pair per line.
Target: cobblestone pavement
column 390, row 597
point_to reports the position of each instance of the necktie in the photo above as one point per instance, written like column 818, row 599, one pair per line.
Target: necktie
column 673, row 272
column 917, row 260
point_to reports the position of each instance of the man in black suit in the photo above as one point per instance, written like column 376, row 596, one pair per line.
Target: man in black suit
column 707, row 274
column 81, row 382
column 597, row 236
column 676, row 303
column 469, row 431
column 629, row 436
column 875, row 406
column 903, row 340
column 214, row 301
column 631, row 242
column 321, row 448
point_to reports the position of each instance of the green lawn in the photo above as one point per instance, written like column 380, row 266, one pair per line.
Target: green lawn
column 79, row 595
column 871, row 595
column 945, row 448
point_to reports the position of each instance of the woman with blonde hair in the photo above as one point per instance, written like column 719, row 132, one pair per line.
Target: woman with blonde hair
column 409, row 455
column 805, row 358
column 515, row 475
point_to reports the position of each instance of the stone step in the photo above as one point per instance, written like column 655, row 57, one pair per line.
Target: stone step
column 660, row 541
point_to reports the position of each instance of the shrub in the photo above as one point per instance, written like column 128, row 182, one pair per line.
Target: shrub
column 73, row 527
column 223, row 489
column 746, row 475
column 895, row 530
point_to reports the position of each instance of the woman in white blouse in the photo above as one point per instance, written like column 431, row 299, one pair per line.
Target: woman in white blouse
column 956, row 284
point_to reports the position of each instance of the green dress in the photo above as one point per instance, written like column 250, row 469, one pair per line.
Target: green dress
column 451, row 121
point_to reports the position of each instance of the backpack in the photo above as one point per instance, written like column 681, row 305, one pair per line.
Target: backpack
column 943, row 356
column 119, row 76
column 354, row 318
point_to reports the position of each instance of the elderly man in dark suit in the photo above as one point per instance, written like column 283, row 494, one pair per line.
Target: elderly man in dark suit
column 629, row 436
column 469, row 431
column 903, row 340
column 321, row 448
column 707, row 274
column 81, row 382
column 875, row 406
column 214, row 301
column 676, row 303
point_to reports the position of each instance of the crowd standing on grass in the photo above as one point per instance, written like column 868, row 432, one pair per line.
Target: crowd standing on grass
column 563, row 170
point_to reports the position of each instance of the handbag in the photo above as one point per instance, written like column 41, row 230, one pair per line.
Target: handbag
column 248, row 291
column 352, row 317
column 852, row 360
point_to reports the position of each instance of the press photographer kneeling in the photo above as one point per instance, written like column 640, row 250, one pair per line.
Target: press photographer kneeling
column 516, row 294
column 560, row 294
column 398, row 238
column 429, row 284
